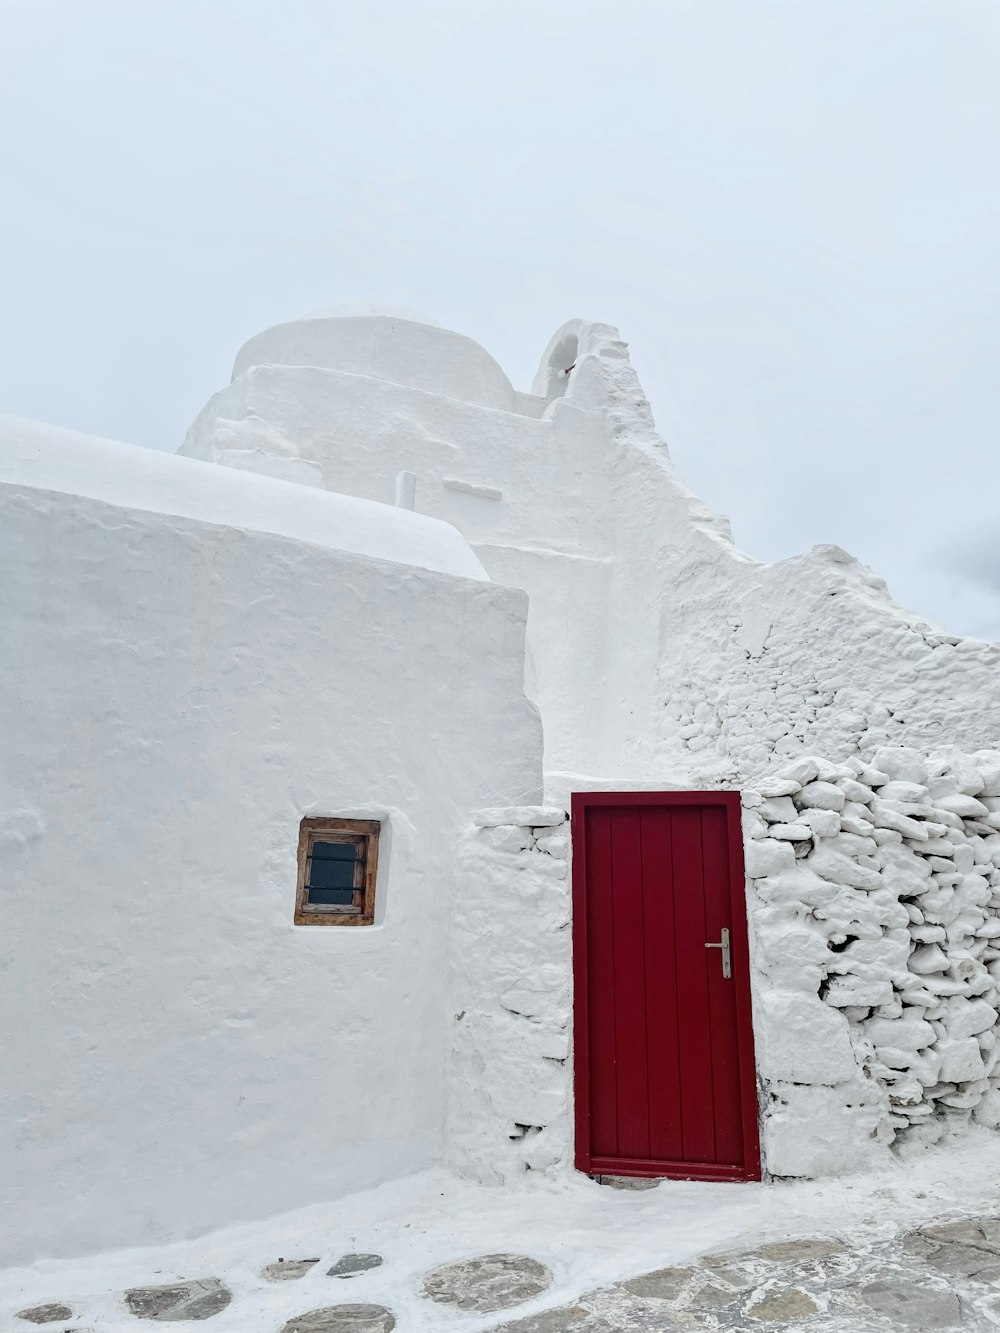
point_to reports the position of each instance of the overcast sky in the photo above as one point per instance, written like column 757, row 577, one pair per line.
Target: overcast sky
column 790, row 208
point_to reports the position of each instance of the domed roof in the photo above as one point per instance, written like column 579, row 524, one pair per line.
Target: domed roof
column 354, row 309
column 400, row 348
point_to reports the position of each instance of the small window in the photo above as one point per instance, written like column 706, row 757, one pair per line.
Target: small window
column 338, row 865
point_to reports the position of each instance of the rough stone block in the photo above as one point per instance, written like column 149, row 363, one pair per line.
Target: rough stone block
column 802, row 1040
column 961, row 1060
column 900, row 763
column 766, row 857
column 822, row 796
column 839, row 869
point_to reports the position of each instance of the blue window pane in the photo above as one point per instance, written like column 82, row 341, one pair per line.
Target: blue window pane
column 334, row 851
column 331, row 874
column 330, row 897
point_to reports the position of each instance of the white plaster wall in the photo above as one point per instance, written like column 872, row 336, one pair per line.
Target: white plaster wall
column 33, row 453
column 662, row 656
column 657, row 648
column 180, row 694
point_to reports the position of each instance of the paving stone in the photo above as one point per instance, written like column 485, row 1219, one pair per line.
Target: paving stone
column 913, row 1306
column 711, row 1297
column 956, row 1249
column 286, row 1270
column 488, row 1282
column 724, row 1269
column 778, row 1305
column 663, row 1284
column 349, row 1265
column 180, row 1300
column 45, row 1314
column 967, row 1230
column 564, row 1319
column 343, row 1319
column 797, row 1251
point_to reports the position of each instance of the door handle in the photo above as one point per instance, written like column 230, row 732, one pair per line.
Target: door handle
column 727, row 961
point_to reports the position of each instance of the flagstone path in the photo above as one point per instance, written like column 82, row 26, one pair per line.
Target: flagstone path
column 940, row 1276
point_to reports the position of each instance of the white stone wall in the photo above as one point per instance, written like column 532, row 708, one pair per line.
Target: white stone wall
column 875, row 915
column 509, row 1002
column 180, row 693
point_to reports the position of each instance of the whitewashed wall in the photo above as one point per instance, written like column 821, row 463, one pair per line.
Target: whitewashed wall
column 874, row 920
column 509, row 999
column 658, row 650
column 875, row 909
column 180, row 694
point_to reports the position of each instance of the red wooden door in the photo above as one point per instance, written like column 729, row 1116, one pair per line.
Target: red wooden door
column 663, row 1047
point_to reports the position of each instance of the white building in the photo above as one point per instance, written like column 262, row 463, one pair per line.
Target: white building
column 204, row 656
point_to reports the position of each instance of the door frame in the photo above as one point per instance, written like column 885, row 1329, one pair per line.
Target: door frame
column 586, row 1161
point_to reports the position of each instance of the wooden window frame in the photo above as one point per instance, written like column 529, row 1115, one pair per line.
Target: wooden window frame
column 357, row 831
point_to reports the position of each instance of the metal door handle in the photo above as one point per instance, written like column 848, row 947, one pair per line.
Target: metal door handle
column 727, row 962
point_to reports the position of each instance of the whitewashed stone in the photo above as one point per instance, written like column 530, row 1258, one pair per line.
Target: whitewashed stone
column 552, row 844
column 811, row 1131
column 778, row 786
column 928, row 959
column 508, row 837
column 848, row 992
column 961, row 1060
column 911, row 1034
column 908, row 793
column 778, row 810
column 839, row 869
column 767, row 857
column 988, row 1111
column 851, row 844
column 966, row 807
column 791, row 953
column 900, row 763
column 856, row 792
column 968, row 1018
column 802, row 1040
column 887, row 817
column 802, row 771
column 822, row 796
column 824, row 823
column 791, row 832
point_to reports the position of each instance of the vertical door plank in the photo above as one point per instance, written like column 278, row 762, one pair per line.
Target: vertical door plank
column 630, row 986
column 722, row 992
column 601, row 985
column 659, row 948
column 694, row 1019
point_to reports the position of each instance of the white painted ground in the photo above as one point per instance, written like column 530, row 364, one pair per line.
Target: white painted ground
column 587, row 1234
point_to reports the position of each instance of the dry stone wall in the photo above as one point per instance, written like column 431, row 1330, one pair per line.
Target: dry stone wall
column 508, row 1084
column 874, row 909
column 809, row 656
column 875, row 914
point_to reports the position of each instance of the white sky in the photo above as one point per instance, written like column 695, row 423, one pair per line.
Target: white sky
column 790, row 208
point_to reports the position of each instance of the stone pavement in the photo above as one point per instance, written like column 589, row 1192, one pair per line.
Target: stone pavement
column 941, row 1276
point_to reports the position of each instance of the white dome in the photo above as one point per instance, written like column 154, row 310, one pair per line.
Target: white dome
column 398, row 348
column 353, row 309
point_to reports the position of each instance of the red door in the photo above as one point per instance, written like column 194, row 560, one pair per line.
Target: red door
column 664, row 1062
